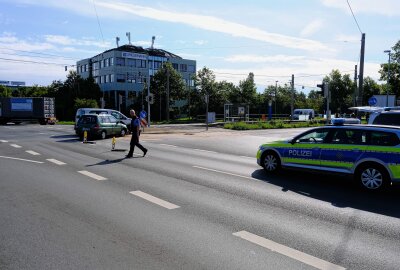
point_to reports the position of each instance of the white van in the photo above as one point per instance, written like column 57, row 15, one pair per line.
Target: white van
column 121, row 118
column 303, row 114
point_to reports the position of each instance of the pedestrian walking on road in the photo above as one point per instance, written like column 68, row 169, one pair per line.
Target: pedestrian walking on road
column 135, row 127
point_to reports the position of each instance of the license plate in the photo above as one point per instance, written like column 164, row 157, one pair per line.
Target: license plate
column 85, row 129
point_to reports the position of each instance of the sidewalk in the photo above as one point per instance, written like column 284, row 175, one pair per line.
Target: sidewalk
column 179, row 128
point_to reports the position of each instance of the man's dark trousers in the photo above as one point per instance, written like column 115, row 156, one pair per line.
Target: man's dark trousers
column 135, row 142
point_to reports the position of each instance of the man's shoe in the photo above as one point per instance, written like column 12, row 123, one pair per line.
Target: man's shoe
column 145, row 152
column 128, row 156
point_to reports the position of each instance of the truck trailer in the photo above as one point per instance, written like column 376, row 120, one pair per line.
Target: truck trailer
column 20, row 109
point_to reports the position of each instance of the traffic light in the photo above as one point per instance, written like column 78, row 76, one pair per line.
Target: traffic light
column 324, row 89
column 322, row 86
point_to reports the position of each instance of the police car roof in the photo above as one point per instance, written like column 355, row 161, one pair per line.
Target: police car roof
column 362, row 126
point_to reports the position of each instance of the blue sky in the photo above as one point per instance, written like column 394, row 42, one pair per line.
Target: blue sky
column 273, row 39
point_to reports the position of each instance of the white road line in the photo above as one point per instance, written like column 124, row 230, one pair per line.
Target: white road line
column 92, row 175
column 228, row 173
column 21, row 159
column 55, row 161
column 287, row 251
column 16, row 145
column 201, row 150
column 32, row 153
column 4, row 141
column 170, row 145
column 247, row 157
column 153, row 199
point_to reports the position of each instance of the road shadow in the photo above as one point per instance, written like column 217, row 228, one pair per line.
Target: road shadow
column 109, row 162
column 338, row 190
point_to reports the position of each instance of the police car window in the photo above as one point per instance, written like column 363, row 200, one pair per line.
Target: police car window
column 383, row 139
column 348, row 136
column 317, row 136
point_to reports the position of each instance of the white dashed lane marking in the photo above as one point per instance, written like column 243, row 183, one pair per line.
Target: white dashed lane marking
column 55, row 161
column 16, row 145
column 32, row 153
column 154, row 200
column 92, row 175
column 21, row 159
column 287, row 251
column 3, row 141
column 228, row 173
column 169, row 145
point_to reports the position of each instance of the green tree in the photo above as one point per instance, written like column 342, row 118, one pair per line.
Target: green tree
column 315, row 101
column 5, row 91
column 370, row 88
column 85, row 103
column 394, row 78
column 158, row 86
column 341, row 89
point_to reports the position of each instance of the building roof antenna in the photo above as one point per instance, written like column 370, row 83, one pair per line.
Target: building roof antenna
column 128, row 34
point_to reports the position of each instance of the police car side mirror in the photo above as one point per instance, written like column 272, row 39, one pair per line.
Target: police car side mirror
column 292, row 141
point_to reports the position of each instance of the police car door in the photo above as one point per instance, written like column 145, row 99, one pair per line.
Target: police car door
column 343, row 149
column 306, row 149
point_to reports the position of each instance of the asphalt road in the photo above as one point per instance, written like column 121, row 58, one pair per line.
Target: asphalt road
column 198, row 200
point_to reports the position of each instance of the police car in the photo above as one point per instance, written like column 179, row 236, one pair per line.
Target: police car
column 370, row 153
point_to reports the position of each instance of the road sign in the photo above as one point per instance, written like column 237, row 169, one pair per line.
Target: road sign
column 143, row 114
column 372, row 101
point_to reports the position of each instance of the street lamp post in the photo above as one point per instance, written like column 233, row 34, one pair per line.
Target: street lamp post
column 388, row 77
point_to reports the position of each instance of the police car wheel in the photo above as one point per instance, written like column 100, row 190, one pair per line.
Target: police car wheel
column 271, row 162
column 372, row 177
column 103, row 135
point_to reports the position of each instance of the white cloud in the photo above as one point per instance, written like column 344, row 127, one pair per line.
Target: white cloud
column 210, row 23
column 246, row 58
column 67, row 41
column 382, row 7
column 200, row 42
column 311, row 28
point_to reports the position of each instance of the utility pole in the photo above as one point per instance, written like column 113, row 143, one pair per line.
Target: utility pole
column 167, row 99
column 388, row 78
column 292, row 102
column 276, row 91
column 355, row 89
column 361, row 77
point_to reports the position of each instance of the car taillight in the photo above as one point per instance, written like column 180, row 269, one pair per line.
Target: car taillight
column 96, row 126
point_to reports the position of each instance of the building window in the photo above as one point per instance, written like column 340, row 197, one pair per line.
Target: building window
column 130, row 78
column 140, row 63
column 101, row 79
column 175, row 66
column 97, row 79
column 111, row 77
column 130, row 62
column 106, row 79
column 191, row 68
column 150, row 62
column 121, row 77
column 157, row 64
column 111, row 61
column 183, row 67
column 101, row 64
column 120, row 61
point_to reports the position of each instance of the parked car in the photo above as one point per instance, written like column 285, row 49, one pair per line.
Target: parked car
column 371, row 154
column 303, row 114
column 100, row 125
column 118, row 115
column 388, row 118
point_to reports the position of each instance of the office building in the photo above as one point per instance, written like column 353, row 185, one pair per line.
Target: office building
column 123, row 72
